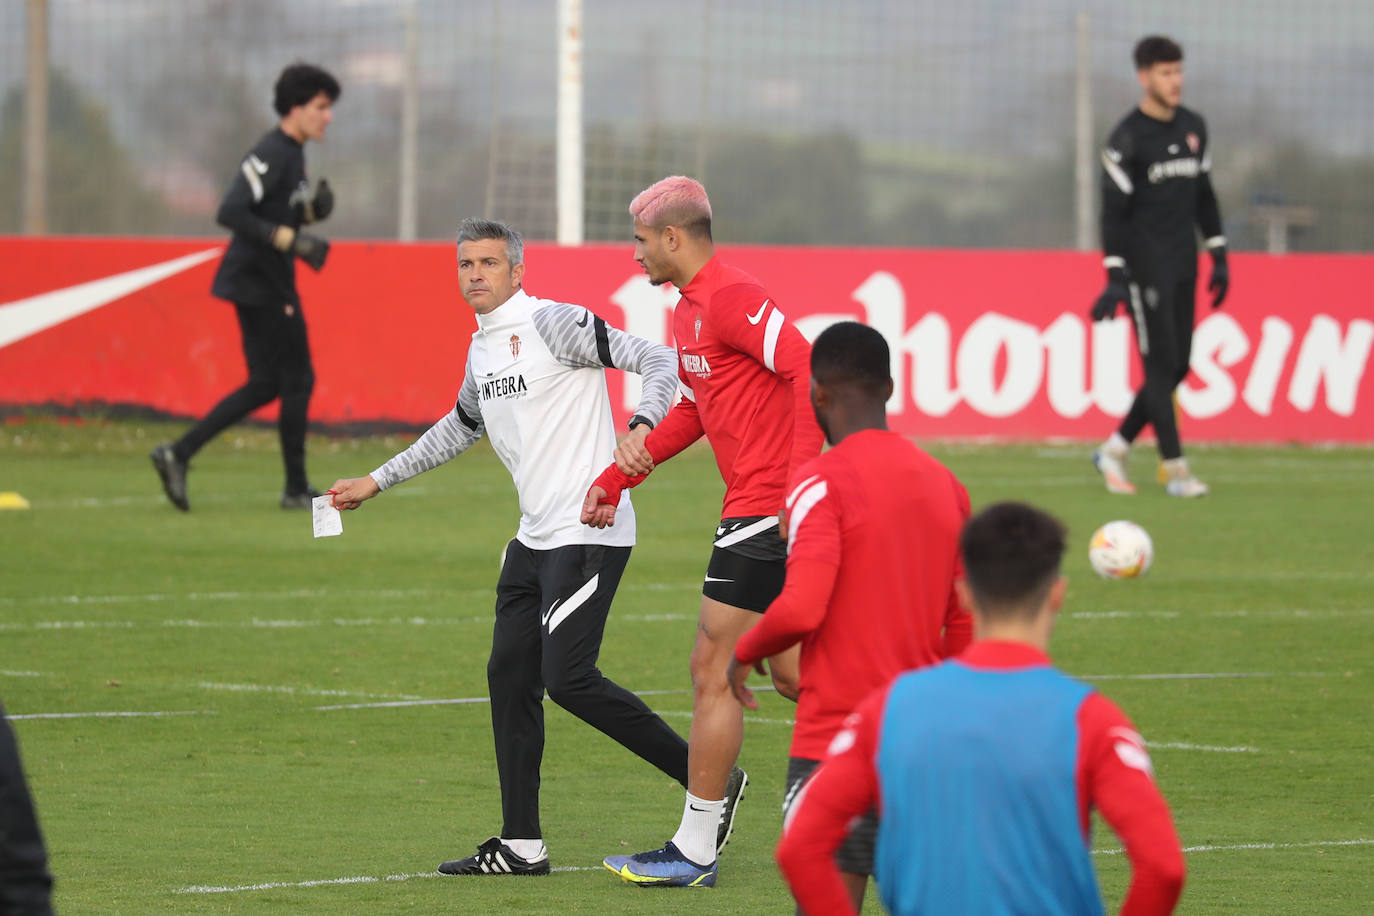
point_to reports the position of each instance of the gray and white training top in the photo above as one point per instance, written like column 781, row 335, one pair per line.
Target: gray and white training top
column 536, row 384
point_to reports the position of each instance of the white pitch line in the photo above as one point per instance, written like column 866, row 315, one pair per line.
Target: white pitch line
column 279, row 595
column 1170, row 745
column 299, row 593
column 396, row 704
column 115, row 502
column 301, row 691
column 21, row 674
column 1196, row 676
column 258, row 623
column 461, row 701
column 418, row 621
column 1116, row 851
column 371, row 879
column 1300, row 613
column 111, row 715
column 1181, row 746
column 683, row 714
column 355, row 879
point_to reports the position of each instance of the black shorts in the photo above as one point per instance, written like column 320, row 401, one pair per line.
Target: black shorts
column 1162, row 309
column 855, row 854
column 748, row 563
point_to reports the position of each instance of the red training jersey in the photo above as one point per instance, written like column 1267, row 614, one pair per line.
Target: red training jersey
column 746, row 384
column 1112, row 773
column 873, row 553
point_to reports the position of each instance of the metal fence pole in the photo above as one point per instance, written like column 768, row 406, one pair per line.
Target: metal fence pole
column 408, row 206
column 570, row 215
column 1084, row 236
column 36, row 121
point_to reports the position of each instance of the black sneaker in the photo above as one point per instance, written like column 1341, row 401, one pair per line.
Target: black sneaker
column 495, row 858
column 734, row 791
column 298, row 500
column 172, row 470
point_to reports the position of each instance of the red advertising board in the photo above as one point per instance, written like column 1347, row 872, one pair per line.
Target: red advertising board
column 985, row 343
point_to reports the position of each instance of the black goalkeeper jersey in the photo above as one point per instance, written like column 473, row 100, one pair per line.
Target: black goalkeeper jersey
column 269, row 190
column 1156, row 187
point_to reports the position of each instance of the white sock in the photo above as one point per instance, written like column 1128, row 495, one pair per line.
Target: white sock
column 1116, row 446
column 529, row 850
column 1176, row 468
column 696, row 836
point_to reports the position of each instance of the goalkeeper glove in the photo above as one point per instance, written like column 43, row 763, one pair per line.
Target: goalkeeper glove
column 311, row 249
column 322, row 204
column 1116, row 292
column 1221, row 277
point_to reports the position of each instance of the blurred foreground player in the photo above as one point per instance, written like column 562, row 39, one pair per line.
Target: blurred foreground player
column 985, row 768
column 744, row 373
column 535, row 383
column 872, row 557
column 25, row 883
column 1156, row 187
column 267, row 203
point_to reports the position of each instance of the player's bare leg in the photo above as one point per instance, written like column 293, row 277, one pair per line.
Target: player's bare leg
column 689, row 858
column 717, row 718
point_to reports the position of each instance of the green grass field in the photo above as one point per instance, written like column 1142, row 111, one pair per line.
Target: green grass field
column 272, row 780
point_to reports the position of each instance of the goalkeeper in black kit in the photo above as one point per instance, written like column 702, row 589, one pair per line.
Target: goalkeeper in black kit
column 268, row 202
column 1156, row 187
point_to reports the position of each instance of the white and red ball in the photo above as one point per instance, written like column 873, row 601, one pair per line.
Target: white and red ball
column 1121, row 550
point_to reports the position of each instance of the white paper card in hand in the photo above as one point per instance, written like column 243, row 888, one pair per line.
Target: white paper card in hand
column 327, row 519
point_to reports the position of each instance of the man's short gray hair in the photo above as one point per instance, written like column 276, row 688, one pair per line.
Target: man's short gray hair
column 475, row 229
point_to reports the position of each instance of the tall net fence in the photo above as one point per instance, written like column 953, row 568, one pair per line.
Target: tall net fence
column 856, row 122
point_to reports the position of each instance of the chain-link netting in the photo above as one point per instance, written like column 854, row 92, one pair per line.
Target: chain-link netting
column 867, row 122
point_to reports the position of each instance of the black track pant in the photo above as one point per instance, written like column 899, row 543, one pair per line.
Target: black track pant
column 277, row 351
column 1163, row 315
column 25, row 884
column 551, row 608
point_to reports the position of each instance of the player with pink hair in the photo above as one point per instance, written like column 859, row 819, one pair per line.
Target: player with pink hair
column 745, row 377
column 675, row 201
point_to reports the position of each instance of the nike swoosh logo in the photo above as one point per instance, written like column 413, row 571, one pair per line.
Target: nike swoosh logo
column 26, row 317
column 695, row 808
column 258, row 165
column 714, row 579
column 585, row 315
column 556, row 615
column 758, row 316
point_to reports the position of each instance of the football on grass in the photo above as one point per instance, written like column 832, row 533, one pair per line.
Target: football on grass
column 1120, row 550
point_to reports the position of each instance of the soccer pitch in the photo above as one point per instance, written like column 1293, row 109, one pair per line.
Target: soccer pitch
column 219, row 713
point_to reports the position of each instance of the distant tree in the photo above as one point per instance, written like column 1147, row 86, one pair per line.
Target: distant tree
column 93, row 187
column 802, row 190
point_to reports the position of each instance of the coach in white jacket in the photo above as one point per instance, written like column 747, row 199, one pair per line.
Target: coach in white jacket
column 535, row 384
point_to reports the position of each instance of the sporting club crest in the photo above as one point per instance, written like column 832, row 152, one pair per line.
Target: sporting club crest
column 1193, row 142
column 697, row 329
column 515, row 345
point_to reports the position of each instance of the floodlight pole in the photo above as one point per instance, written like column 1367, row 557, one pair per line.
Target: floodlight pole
column 36, row 121
column 570, row 214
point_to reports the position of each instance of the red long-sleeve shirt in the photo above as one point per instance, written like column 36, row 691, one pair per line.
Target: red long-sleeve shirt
column 873, row 553
column 746, row 380
column 1112, row 774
